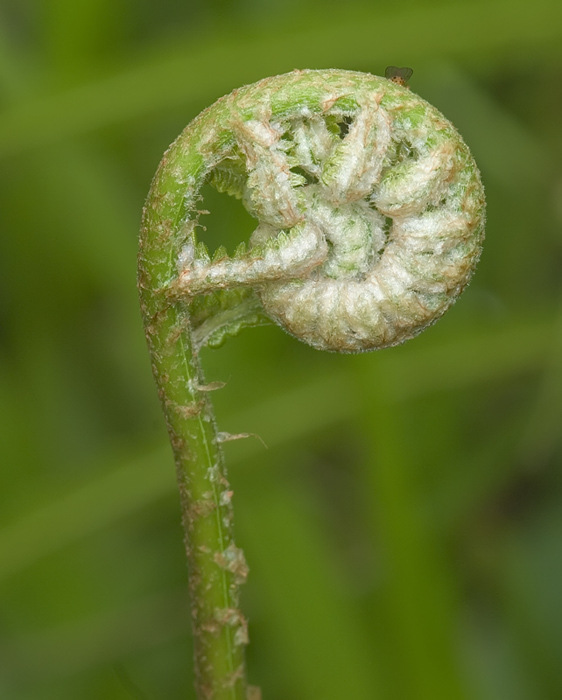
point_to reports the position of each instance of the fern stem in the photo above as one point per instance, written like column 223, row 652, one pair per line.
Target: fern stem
column 216, row 565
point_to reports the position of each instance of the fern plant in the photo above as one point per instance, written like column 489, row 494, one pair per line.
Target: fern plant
column 370, row 215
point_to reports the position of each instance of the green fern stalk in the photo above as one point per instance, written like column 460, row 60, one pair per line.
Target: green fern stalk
column 216, row 565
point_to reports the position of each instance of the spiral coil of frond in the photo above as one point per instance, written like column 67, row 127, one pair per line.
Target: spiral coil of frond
column 370, row 206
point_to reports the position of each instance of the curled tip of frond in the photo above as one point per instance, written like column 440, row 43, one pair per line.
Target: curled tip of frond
column 370, row 206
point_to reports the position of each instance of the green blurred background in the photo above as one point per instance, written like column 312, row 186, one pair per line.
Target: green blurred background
column 404, row 528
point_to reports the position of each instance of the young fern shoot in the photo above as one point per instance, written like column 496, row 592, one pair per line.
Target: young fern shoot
column 370, row 215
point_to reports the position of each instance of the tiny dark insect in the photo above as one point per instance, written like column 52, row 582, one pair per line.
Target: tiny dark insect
column 400, row 76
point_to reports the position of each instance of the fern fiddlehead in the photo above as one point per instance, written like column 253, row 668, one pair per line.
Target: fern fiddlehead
column 370, row 217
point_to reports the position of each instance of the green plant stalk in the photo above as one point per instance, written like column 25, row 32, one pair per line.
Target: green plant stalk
column 216, row 565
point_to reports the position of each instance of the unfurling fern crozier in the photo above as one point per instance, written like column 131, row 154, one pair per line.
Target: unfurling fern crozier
column 370, row 216
column 370, row 206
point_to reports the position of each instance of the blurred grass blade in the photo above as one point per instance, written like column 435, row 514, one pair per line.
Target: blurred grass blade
column 313, row 624
column 215, row 63
column 113, row 495
column 419, row 589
